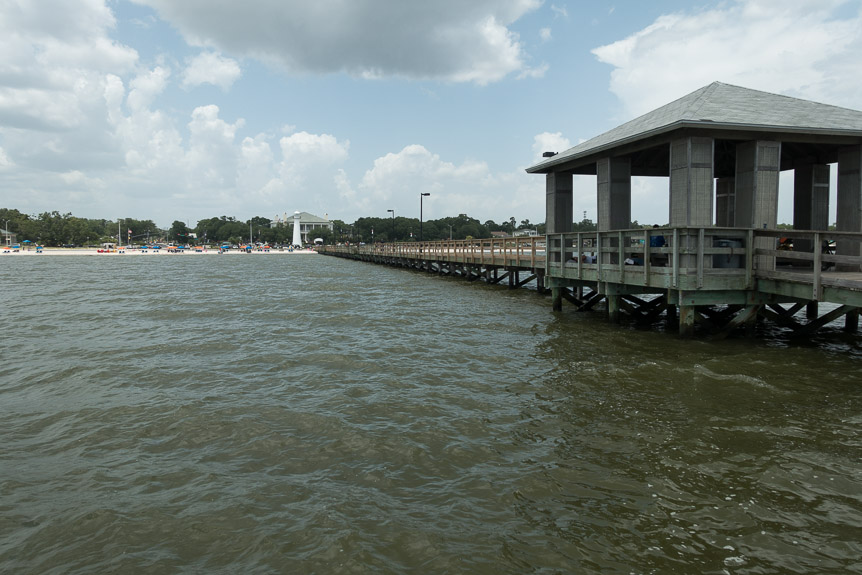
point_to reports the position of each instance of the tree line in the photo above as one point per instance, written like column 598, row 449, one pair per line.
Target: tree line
column 56, row 229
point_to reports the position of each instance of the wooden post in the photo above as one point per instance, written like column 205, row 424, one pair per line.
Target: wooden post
column 851, row 321
column 613, row 307
column 686, row 321
column 557, row 298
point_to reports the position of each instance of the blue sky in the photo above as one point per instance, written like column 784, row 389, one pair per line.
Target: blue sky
column 166, row 110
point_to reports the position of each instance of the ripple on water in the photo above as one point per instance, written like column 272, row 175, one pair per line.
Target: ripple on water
column 265, row 415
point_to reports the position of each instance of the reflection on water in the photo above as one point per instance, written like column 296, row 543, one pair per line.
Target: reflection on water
column 308, row 414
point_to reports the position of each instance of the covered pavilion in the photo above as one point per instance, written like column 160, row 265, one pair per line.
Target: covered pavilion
column 722, row 149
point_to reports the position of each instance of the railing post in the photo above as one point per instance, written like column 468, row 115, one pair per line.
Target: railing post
column 533, row 252
column 749, row 259
column 579, row 256
column 700, row 241
column 818, row 261
column 621, row 255
column 646, row 257
column 599, row 256
column 562, row 250
column 675, row 257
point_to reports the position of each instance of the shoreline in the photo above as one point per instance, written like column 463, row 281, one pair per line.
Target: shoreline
column 137, row 252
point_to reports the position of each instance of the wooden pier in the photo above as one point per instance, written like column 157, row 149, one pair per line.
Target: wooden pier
column 718, row 280
column 515, row 261
column 717, row 265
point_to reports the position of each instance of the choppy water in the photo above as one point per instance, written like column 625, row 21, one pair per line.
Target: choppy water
column 313, row 415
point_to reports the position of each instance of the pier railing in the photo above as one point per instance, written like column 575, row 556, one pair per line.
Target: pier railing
column 707, row 257
column 527, row 251
column 684, row 258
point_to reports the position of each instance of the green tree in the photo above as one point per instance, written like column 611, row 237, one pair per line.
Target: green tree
column 585, row 225
column 178, row 232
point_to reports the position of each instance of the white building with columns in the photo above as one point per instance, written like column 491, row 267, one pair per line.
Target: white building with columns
column 307, row 224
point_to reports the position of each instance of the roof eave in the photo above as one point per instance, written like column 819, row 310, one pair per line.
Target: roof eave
column 545, row 167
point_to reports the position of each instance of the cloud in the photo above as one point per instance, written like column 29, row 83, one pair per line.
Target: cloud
column 86, row 126
column 319, row 148
column 559, row 11
column 211, row 68
column 5, row 162
column 545, row 34
column 443, row 40
column 56, row 61
column 801, row 48
column 146, row 87
column 396, row 180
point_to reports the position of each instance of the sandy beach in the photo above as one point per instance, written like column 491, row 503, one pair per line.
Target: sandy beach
column 47, row 252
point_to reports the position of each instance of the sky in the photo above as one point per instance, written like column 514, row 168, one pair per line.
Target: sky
column 168, row 110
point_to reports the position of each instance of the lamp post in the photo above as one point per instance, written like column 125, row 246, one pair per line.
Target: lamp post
column 393, row 224
column 421, row 195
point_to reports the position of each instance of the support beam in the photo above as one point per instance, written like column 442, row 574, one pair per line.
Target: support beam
column 613, row 307
column 851, row 321
column 816, row 324
column 614, row 193
column 558, row 203
column 746, row 317
column 757, row 171
column 686, row 321
column 691, row 188
column 691, row 181
column 523, row 282
column 849, row 202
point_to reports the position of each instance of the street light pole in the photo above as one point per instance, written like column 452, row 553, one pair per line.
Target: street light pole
column 393, row 224
column 421, row 196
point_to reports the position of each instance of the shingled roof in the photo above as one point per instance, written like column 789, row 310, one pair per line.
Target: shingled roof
column 721, row 107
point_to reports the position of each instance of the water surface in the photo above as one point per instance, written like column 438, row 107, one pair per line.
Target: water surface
column 315, row 415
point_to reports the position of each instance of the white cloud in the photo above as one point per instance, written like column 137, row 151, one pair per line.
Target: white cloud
column 87, row 127
column 317, row 148
column 397, row 179
column 212, row 157
column 5, row 162
column 309, row 163
column 77, row 178
column 445, row 39
column 802, row 48
column 53, row 55
column 146, row 87
column 56, row 61
column 559, row 11
column 797, row 47
column 545, row 34
column 211, row 68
